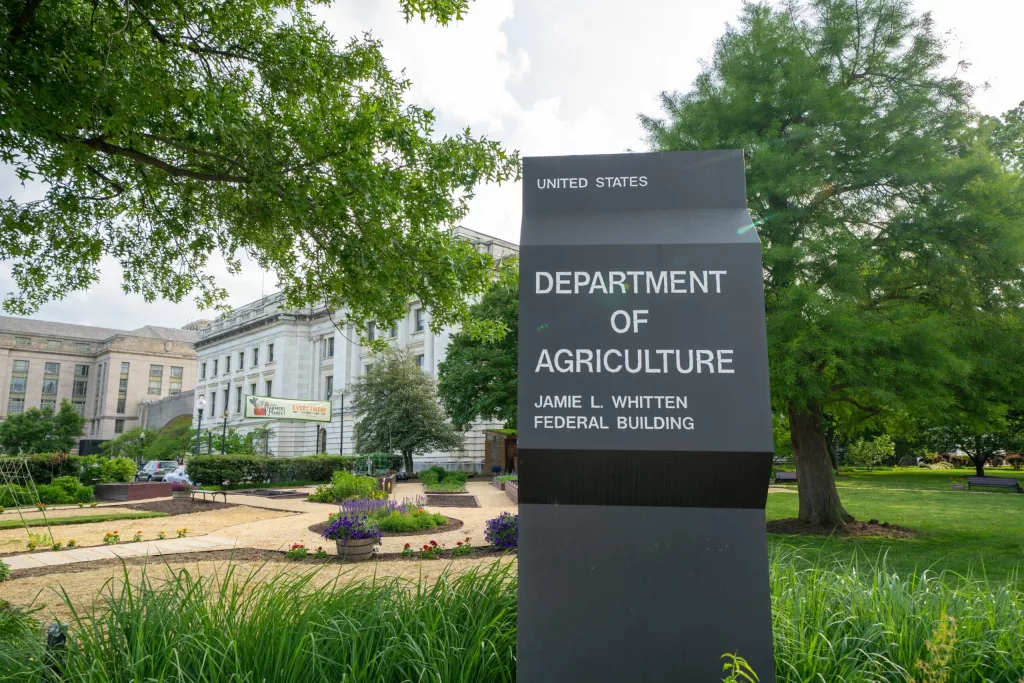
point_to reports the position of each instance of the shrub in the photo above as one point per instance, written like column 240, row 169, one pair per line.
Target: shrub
column 1015, row 461
column 5, row 571
column 345, row 485
column 64, row 491
column 515, row 477
column 439, row 479
column 118, row 470
column 258, row 469
column 296, row 552
column 503, row 531
column 45, row 467
column 415, row 520
column 959, row 460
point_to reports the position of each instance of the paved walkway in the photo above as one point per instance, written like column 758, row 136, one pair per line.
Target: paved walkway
column 106, row 552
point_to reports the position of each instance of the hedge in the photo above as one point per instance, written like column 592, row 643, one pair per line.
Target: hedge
column 63, row 491
column 257, row 469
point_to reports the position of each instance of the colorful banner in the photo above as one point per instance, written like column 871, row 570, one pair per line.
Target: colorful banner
column 265, row 407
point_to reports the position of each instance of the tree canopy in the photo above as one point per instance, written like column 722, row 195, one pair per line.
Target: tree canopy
column 41, row 430
column 397, row 409
column 169, row 132
column 478, row 378
column 890, row 216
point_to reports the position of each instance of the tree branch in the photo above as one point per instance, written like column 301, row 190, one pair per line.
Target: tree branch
column 101, row 145
column 26, row 16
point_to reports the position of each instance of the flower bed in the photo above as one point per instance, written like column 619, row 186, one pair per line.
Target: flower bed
column 391, row 517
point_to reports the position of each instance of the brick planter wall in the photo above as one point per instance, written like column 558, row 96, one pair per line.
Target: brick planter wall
column 512, row 490
column 135, row 491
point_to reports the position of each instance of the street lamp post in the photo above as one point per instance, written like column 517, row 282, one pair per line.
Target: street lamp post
column 200, row 404
column 341, row 438
column 224, row 432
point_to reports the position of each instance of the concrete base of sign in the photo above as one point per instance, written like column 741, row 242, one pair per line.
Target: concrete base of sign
column 647, row 594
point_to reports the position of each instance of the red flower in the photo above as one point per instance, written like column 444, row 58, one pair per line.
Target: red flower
column 406, row 545
column 459, row 543
column 426, row 547
column 433, row 543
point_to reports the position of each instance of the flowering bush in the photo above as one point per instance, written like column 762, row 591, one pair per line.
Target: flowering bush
column 112, row 538
column 182, row 532
column 431, row 551
column 503, row 531
column 179, row 486
column 137, row 537
column 463, row 548
column 72, row 543
column 93, row 504
column 320, row 553
column 56, row 545
column 41, row 506
column 161, row 534
column 407, row 551
column 393, row 516
column 297, row 551
column 345, row 528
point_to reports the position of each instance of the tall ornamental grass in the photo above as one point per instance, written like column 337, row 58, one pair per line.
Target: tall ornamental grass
column 833, row 624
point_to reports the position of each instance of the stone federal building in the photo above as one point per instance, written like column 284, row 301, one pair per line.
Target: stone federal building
column 264, row 349
column 105, row 373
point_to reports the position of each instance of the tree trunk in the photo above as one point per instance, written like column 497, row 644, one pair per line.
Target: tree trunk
column 979, row 459
column 819, row 499
column 407, row 460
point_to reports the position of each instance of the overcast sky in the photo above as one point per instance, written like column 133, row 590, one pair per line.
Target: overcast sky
column 552, row 77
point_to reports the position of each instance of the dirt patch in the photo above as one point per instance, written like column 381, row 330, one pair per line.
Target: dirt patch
column 872, row 528
column 236, row 556
column 179, row 507
column 451, row 525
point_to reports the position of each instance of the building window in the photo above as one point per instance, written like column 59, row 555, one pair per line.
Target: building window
column 124, row 368
column 369, row 366
column 156, row 380
column 329, row 386
column 51, row 368
column 122, row 384
column 252, row 389
column 393, row 332
column 241, row 360
column 48, row 404
column 371, row 331
column 21, row 366
column 227, row 364
column 84, row 346
column 420, row 360
column 80, row 407
column 18, row 385
column 216, row 363
column 270, row 386
column 418, row 317
column 81, row 386
column 53, row 343
column 226, row 397
column 15, row 406
column 122, row 390
column 238, row 399
column 49, row 387
column 176, row 376
column 270, row 353
column 121, row 400
column 202, row 371
column 119, row 426
column 213, row 403
column 255, row 356
column 327, row 347
column 81, row 371
column 23, row 341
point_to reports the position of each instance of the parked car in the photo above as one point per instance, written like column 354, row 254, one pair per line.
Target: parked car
column 155, row 470
column 178, row 476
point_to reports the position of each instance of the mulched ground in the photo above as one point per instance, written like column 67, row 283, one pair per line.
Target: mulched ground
column 854, row 529
column 177, row 507
column 451, row 525
column 238, row 555
column 452, row 500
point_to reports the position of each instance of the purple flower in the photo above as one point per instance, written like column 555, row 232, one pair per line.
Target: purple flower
column 503, row 531
column 351, row 528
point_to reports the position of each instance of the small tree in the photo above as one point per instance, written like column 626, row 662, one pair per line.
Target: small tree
column 398, row 410
column 981, row 441
column 40, row 431
column 870, row 453
column 134, row 444
column 478, row 378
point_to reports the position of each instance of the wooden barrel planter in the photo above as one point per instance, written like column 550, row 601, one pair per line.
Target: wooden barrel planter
column 181, row 495
column 361, row 549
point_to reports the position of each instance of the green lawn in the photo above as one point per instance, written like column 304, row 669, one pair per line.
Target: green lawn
column 963, row 532
column 16, row 523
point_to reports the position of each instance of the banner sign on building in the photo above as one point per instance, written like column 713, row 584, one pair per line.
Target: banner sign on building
column 645, row 435
column 287, row 409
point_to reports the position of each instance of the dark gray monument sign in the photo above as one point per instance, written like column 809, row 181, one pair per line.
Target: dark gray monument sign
column 645, row 438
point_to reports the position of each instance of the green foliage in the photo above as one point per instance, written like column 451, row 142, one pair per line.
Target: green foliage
column 893, row 231
column 403, row 522
column 80, row 519
column 44, row 467
column 133, row 444
column 737, row 670
column 199, row 133
column 343, row 486
column 254, row 469
column 507, row 477
column 41, row 431
column 870, row 453
column 436, row 475
column 62, row 491
column 478, row 378
column 397, row 408
column 5, row 571
column 106, row 469
column 380, row 464
column 984, row 440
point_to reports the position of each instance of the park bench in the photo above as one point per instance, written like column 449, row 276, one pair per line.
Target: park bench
column 995, row 482
column 213, row 494
column 782, row 477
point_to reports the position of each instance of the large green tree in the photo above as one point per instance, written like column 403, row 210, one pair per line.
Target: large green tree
column 398, row 411
column 478, row 378
column 890, row 222
column 167, row 132
column 41, row 430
